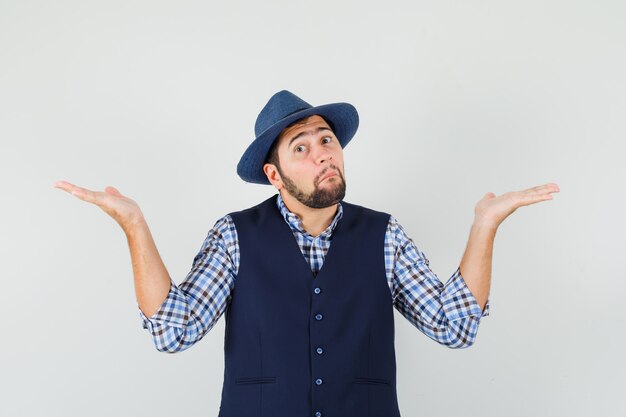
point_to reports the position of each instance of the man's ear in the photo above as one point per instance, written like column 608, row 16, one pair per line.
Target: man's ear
column 272, row 175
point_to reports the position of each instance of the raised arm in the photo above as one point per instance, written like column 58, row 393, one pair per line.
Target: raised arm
column 152, row 281
column 176, row 316
column 448, row 314
column 489, row 213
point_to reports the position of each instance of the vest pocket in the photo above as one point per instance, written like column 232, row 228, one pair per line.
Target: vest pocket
column 371, row 381
column 256, row 380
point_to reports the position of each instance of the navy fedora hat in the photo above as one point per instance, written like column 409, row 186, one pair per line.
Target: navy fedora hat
column 282, row 109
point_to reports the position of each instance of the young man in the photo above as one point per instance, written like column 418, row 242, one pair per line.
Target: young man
column 308, row 281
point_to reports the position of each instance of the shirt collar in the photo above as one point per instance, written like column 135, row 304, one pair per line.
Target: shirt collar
column 295, row 222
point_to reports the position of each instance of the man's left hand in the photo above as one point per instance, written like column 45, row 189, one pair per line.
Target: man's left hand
column 491, row 210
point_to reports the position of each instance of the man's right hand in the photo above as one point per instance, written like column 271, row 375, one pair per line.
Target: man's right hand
column 124, row 210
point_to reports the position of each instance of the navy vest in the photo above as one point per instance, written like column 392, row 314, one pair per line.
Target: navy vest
column 303, row 345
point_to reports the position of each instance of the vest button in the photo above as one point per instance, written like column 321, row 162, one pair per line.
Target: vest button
column 318, row 414
column 318, row 381
column 319, row 350
column 318, row 316
column 317, row 290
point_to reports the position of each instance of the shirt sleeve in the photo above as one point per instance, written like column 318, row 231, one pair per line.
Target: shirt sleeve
column 448, row 314
column 192, row 308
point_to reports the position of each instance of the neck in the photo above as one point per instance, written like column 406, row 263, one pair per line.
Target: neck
column 314, row 220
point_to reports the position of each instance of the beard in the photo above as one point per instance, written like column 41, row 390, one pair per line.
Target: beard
column 319, row 197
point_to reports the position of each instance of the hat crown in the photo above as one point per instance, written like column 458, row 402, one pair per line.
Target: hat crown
column 279, row 106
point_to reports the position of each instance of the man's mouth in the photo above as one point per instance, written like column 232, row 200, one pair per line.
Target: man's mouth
column 330, row 174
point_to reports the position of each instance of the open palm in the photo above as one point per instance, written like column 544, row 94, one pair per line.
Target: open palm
column 493, row 210
column 124, row 210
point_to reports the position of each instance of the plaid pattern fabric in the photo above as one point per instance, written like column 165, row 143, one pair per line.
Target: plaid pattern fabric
column 448, row 314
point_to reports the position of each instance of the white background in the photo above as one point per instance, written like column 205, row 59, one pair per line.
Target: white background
column 456, row 98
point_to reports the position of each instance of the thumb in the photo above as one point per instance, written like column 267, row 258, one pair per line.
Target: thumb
column 112, row 190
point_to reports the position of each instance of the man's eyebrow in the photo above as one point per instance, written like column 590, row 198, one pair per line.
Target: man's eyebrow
column 319, row 129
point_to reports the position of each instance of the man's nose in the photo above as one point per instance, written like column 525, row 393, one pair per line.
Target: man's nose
column 325, row 158
column 323, row 155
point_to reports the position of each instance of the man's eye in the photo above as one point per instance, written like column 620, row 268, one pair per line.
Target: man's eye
column 328, row 139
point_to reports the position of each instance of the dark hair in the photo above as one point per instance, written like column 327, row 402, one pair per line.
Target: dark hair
column 272, row 154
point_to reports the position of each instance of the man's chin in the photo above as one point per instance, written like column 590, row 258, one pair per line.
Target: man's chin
column 332, row 199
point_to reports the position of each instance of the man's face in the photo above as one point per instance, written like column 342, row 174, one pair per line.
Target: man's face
column 311, row 164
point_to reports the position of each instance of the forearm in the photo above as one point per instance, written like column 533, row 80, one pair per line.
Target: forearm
column 476, row 263
column 152, row 281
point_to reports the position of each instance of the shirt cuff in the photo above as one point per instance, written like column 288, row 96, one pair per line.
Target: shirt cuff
column 458, row 301
column 174, row 312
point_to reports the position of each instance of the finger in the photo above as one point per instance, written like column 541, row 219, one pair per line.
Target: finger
column 549, row 187
column 66, row 186
column 532, row 198
column 80, row 192
column 539, row 191
column 95, row 197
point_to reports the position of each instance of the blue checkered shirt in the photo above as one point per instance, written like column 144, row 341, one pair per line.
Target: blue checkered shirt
column 448, row 314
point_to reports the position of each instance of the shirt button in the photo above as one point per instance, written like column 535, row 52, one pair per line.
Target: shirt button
column 318, row 381
column 317, row 290
column 318, row 414
column 319, row 350
column 318, row 316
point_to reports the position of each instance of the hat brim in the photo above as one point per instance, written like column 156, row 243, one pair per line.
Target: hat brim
column 343, row 117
